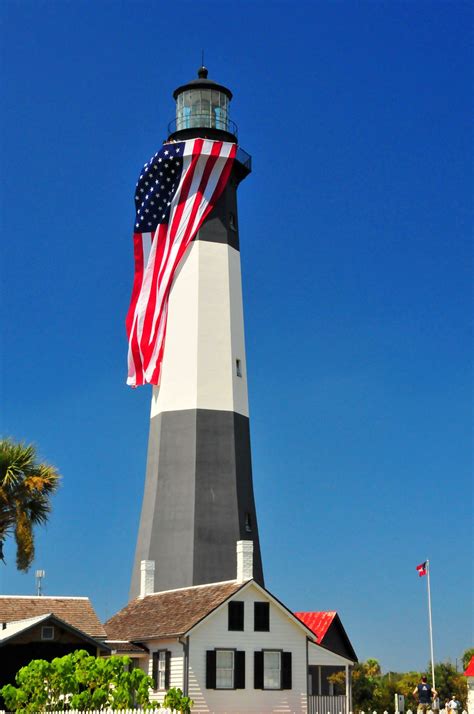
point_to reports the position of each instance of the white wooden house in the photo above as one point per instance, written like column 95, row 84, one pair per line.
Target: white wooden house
column 232, row 647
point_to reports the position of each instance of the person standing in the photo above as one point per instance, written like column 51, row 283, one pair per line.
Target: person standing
column 454, row 705
column 425, row 695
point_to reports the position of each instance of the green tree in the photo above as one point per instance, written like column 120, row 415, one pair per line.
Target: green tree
column 78, row 681
column 177, row 702
column 450, row 683
column 406, row 684
column 365, row 679
column 466, row 658
column 26, row 487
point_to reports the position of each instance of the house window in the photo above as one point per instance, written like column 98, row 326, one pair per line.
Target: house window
column 161, row 669
column 261, row 617
column 236, row 615
column 224, row 669
column 272, row 670
column 47, row 632
column 238, row 367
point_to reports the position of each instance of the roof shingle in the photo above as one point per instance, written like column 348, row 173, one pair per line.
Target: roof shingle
column 76, row 611
column 168, row 614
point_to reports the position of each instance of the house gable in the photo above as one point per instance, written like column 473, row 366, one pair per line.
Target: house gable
column 47, row 629
column 337, row 640
column 261, row 594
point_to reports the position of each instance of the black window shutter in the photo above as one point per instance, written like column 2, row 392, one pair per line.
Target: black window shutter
column 286, row 682
column 258, row 670
column 236, row 615
column 261, row 616
column 167, row 669
column 211, row 669
column 155, row 670
column 239, row 670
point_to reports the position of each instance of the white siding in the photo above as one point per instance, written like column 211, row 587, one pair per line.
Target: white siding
column 320, row 655
column 284, row 635
column 205, row 334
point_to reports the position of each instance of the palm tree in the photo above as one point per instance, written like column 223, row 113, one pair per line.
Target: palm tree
column 25, row 490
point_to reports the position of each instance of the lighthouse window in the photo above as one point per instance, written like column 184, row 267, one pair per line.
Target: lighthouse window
column 238, row 367
column 202, row 108
column 248, row 523
column 232, row 222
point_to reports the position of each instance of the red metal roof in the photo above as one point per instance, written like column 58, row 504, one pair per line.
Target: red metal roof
column 318, row 622
column 470, row 669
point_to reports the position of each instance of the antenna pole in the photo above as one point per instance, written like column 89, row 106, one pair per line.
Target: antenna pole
column 40, row 574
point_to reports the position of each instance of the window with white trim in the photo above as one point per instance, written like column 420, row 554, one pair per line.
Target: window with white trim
column 224, row 669
column 271, row 669
column 47, row 632
column 161, row 669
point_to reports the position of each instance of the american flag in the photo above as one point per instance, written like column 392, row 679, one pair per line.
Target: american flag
column 177, row 189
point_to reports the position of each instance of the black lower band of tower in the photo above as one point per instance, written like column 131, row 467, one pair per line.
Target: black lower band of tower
column 198, row 499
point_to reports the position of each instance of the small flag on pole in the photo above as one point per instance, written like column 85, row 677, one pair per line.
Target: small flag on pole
column 421, row 569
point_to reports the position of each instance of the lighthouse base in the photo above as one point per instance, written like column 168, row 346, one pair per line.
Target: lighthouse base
column 198, row 499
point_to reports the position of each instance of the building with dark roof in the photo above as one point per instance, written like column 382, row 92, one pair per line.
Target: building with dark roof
column 45, row 628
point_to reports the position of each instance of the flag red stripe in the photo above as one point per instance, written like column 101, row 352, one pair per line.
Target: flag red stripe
column 137, row 281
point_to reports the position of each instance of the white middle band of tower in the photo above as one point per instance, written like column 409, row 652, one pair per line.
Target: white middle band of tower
column 204, row 352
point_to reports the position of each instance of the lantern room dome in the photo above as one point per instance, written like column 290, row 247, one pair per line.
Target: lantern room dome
column 202, row 82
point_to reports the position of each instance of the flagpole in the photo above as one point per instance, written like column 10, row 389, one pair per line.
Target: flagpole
column 431, row 623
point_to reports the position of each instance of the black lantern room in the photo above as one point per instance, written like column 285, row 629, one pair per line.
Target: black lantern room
column 202, row 109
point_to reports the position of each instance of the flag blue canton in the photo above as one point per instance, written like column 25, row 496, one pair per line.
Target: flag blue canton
column 156, row 187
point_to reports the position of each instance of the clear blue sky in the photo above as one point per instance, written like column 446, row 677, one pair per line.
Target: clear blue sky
column 355, row 229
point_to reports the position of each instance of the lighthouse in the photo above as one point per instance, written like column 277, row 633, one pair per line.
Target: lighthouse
column 198, row 498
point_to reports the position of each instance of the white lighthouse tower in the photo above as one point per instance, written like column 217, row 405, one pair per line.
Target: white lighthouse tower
column 198, row 498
